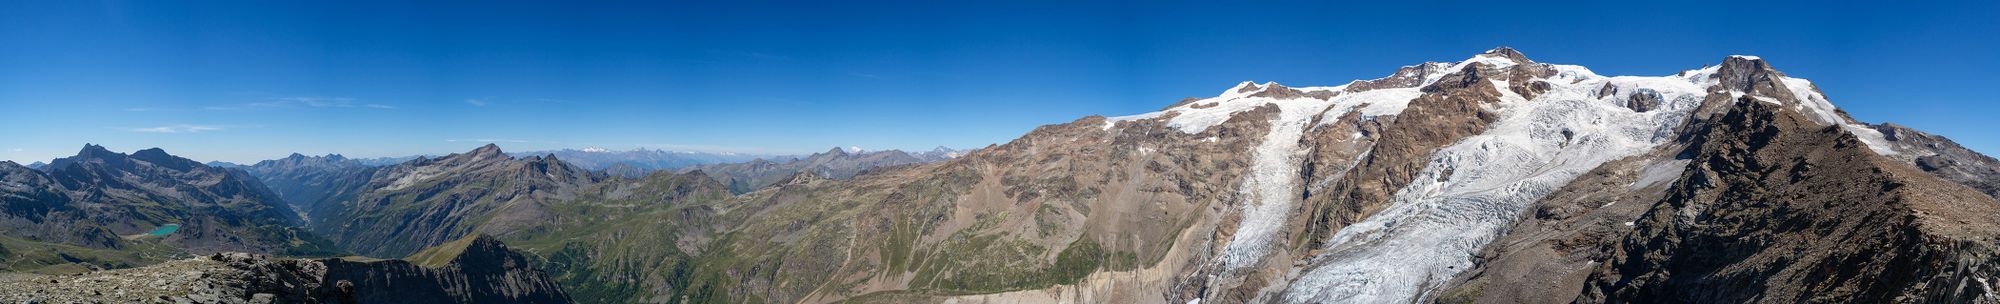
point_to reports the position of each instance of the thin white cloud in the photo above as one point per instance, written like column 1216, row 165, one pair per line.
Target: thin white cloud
column 476, row 102
column 306, row 102
column 18, row 150
column 138, row 109
column 178, row 129
column 488, row 140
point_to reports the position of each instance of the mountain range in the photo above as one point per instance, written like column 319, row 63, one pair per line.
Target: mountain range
column 1494, row 179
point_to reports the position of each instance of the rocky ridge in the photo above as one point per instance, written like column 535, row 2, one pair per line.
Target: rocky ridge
column 479, row 270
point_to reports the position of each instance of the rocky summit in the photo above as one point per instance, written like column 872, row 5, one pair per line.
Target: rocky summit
column 1491, row 179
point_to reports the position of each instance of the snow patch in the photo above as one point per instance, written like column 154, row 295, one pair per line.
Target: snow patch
column 1816, row 107
column 1658, row 172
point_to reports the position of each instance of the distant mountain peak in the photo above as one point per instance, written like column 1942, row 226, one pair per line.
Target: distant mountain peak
column 1508, row 53
column 488, row 150
column 151, row 153
column 90, row 150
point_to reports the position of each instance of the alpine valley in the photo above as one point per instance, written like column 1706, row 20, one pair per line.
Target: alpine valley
column 1493, row 179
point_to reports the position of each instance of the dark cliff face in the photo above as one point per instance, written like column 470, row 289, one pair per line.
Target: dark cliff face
column 483, row 271
column 1773, row 208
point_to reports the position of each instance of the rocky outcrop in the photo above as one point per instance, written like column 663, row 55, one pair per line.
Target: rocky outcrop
column 1942, row 157
column 481, row 271
column 1774, row 208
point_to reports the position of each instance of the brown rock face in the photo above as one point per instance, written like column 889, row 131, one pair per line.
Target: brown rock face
column 1942, row 157
column 1769, row 211
column 1450, row 110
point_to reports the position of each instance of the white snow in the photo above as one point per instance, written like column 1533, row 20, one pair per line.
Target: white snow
column 1747, row 57
column 1435, row 225
column 1380, row 102
column 1815, row 106
column 1490, row 59
column 1274, row 161
column 1273, row 177
column 1659, row 172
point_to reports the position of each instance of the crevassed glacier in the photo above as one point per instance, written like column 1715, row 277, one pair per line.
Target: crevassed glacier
column 1436, row 224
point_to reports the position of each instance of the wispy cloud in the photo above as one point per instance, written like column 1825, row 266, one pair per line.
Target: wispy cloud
column 138, row 109
column 302, row 102
column 17, row 150
column 487, row 140
column 867, row 75
column 316, row 102
column 476, row 102
column 178, row 129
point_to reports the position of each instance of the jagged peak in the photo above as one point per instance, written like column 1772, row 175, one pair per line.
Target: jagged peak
column 93, row 150
column 1508, row 53
column 1745, row 63
column 1244, row 87
column 836, row 151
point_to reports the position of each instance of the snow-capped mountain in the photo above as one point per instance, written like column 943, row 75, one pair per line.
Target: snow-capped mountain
column 1492, row 179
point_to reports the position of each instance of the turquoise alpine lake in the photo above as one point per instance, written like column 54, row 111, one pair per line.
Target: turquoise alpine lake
column 164, row 230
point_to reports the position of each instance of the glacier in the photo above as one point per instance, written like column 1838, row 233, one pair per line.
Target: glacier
column 1436, row 224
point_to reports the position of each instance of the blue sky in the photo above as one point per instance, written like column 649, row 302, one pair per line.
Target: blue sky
column 243, row 81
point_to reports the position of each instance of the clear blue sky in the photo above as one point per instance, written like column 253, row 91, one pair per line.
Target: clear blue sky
column 243, row 81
